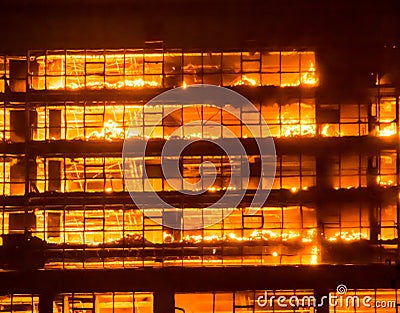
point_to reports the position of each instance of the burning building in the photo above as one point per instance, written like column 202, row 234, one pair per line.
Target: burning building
column 74, row 241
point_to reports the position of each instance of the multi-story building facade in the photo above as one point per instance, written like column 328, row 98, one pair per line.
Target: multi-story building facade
column 74, row 241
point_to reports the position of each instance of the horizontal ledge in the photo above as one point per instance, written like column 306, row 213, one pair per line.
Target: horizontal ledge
column 313, row 197
column 202, row 279
column 314, row 145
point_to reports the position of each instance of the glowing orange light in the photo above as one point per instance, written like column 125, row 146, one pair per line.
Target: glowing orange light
column 348, row 236
column 309, row 78
column 263, row 234
column 325, row 130
column 245, row 81
column 387, row 131
column 296, row 128
column 127, row 83
column 314, row 255
column 109, row 132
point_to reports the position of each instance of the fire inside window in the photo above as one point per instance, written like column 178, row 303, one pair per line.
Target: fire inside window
column 379, row 300
column 112, row 121
column 116, row 302
column 99, row 69
column 291, row 229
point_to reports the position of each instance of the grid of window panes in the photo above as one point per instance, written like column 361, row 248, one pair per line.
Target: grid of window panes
column 104, row 174
column 384, row 111
column 122, row 236
column 116, row 121
column 293, row 300
column 350, row 119
column 245, row 301
column 340, row 120
column 119, row 235
column 15, row 303
column 112, row 121
column 13, row 126
column 293, row 172
column 122, row 69
column 366, row 300
column 12, row 174
column 107, row 302
column 299, row 300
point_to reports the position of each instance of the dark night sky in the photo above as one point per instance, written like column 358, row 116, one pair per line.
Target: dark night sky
column 194, row 23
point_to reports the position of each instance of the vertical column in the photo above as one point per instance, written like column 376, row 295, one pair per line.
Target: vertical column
column 164, row 301
column 18, row 75
column 325, row 183
column 373, row 171
column 398, row 176
column 322, row 297
column 54, row 174
column 46, row 303
column 27, row 140
column 373, row 207
column 173, row 218
column 54, row 125
column 325, row 170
